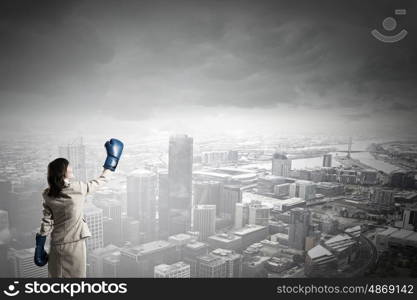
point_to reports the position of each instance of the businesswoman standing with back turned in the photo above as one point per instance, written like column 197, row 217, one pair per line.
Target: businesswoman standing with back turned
column 63, row 215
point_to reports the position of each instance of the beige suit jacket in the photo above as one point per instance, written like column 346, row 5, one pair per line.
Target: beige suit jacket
column 63, row 218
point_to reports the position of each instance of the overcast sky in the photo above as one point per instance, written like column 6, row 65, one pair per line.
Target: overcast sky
column 143, row 66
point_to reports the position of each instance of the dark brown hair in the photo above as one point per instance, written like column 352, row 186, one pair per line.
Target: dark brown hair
column 56, row 174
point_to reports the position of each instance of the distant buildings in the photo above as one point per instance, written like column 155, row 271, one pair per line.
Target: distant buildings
column 141, row 201
column 140, row 260
column 382, row 199
column 97, row 265
column 282, row 190
column 327, row 160
column 299, row 228
column 410, row 218
column 233, row 262
column 176, row 270
column 75, row 153
column 281, row 165
column 303, row 189
column 204, row 220
column 211, row 266
column 94, row 218
column 180, row 183
column 191, row 252
column 21, row 262
column 394, row 238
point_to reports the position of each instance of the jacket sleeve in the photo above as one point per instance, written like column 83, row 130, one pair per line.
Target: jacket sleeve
column 47, row 221
column 91, row 186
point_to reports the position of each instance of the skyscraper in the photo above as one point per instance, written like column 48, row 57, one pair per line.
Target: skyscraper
column 163, row 204
column 231, row 195
column 94, row 218
column 22, row 264
column 96, row 259
column 211, row 266
column 204, row 220
column 75, row 153
column 141, row 201
column 207, row 192
column 180, row 168
column 259, row 214
column 327, row 160
column 281, row 165
column 299, row 228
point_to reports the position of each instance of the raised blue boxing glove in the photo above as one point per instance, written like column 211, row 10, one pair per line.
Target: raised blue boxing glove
column 114, row 149
column 41, row 257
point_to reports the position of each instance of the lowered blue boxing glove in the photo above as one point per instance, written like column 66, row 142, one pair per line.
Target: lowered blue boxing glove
column 41, row 257
column 114, row 149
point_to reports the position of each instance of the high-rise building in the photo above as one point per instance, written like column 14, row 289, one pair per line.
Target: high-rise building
column 130, row 231
column 207, row 192
column 141, row 201
column 112, row 220
column 259, row 214
column 299, row 228
column 233, row 262
column 21, row 262
column 191, row 252
column 211, row 266
column 94, row 219
column 180, row 168
column 281, row 165
column 231, row 195
column 204, row 220
column 177, row 270
column 95, row 260
column 75, row 153
column 410, row 218
column 163, row 204
column 251, row 234
column 140, row 260
column 382, row 198
column 327, row 160
column 303, row 189
column 282, row 190
column 241, row 215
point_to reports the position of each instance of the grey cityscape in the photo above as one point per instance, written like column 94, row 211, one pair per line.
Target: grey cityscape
column 262, row 139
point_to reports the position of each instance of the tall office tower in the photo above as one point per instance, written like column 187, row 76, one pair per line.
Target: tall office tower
column 211, row 266
column 241, row 215
column 259, row 214
column 180, row 169
column 382, row 198
column 191, row 252
column 112, row 220
column 95, row 259
column 299, row 228
column 75, row 153
column 282, row 190
column 204, row 220
column 281, row 165
column 410, row 218
column 231, row 195
column 140, row 260
column 207, row 192
column 307, row 190
column 303, row 189
column 130, row 231
column 233, row 262
column 163, row 204
column 141, row 201
column 177, row 270
column 327, row 160
column 5, row 195
column 94, row 218
column 4, row 242
column 21, row 263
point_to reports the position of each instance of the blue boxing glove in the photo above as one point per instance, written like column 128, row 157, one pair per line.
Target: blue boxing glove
column 114, row 150
column 41, row 257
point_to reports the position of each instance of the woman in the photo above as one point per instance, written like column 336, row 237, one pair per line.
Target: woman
column 63, row 215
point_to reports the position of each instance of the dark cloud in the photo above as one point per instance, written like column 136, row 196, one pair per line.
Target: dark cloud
column 132, row 59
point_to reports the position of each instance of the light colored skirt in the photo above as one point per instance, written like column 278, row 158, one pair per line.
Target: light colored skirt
column 68, row 260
